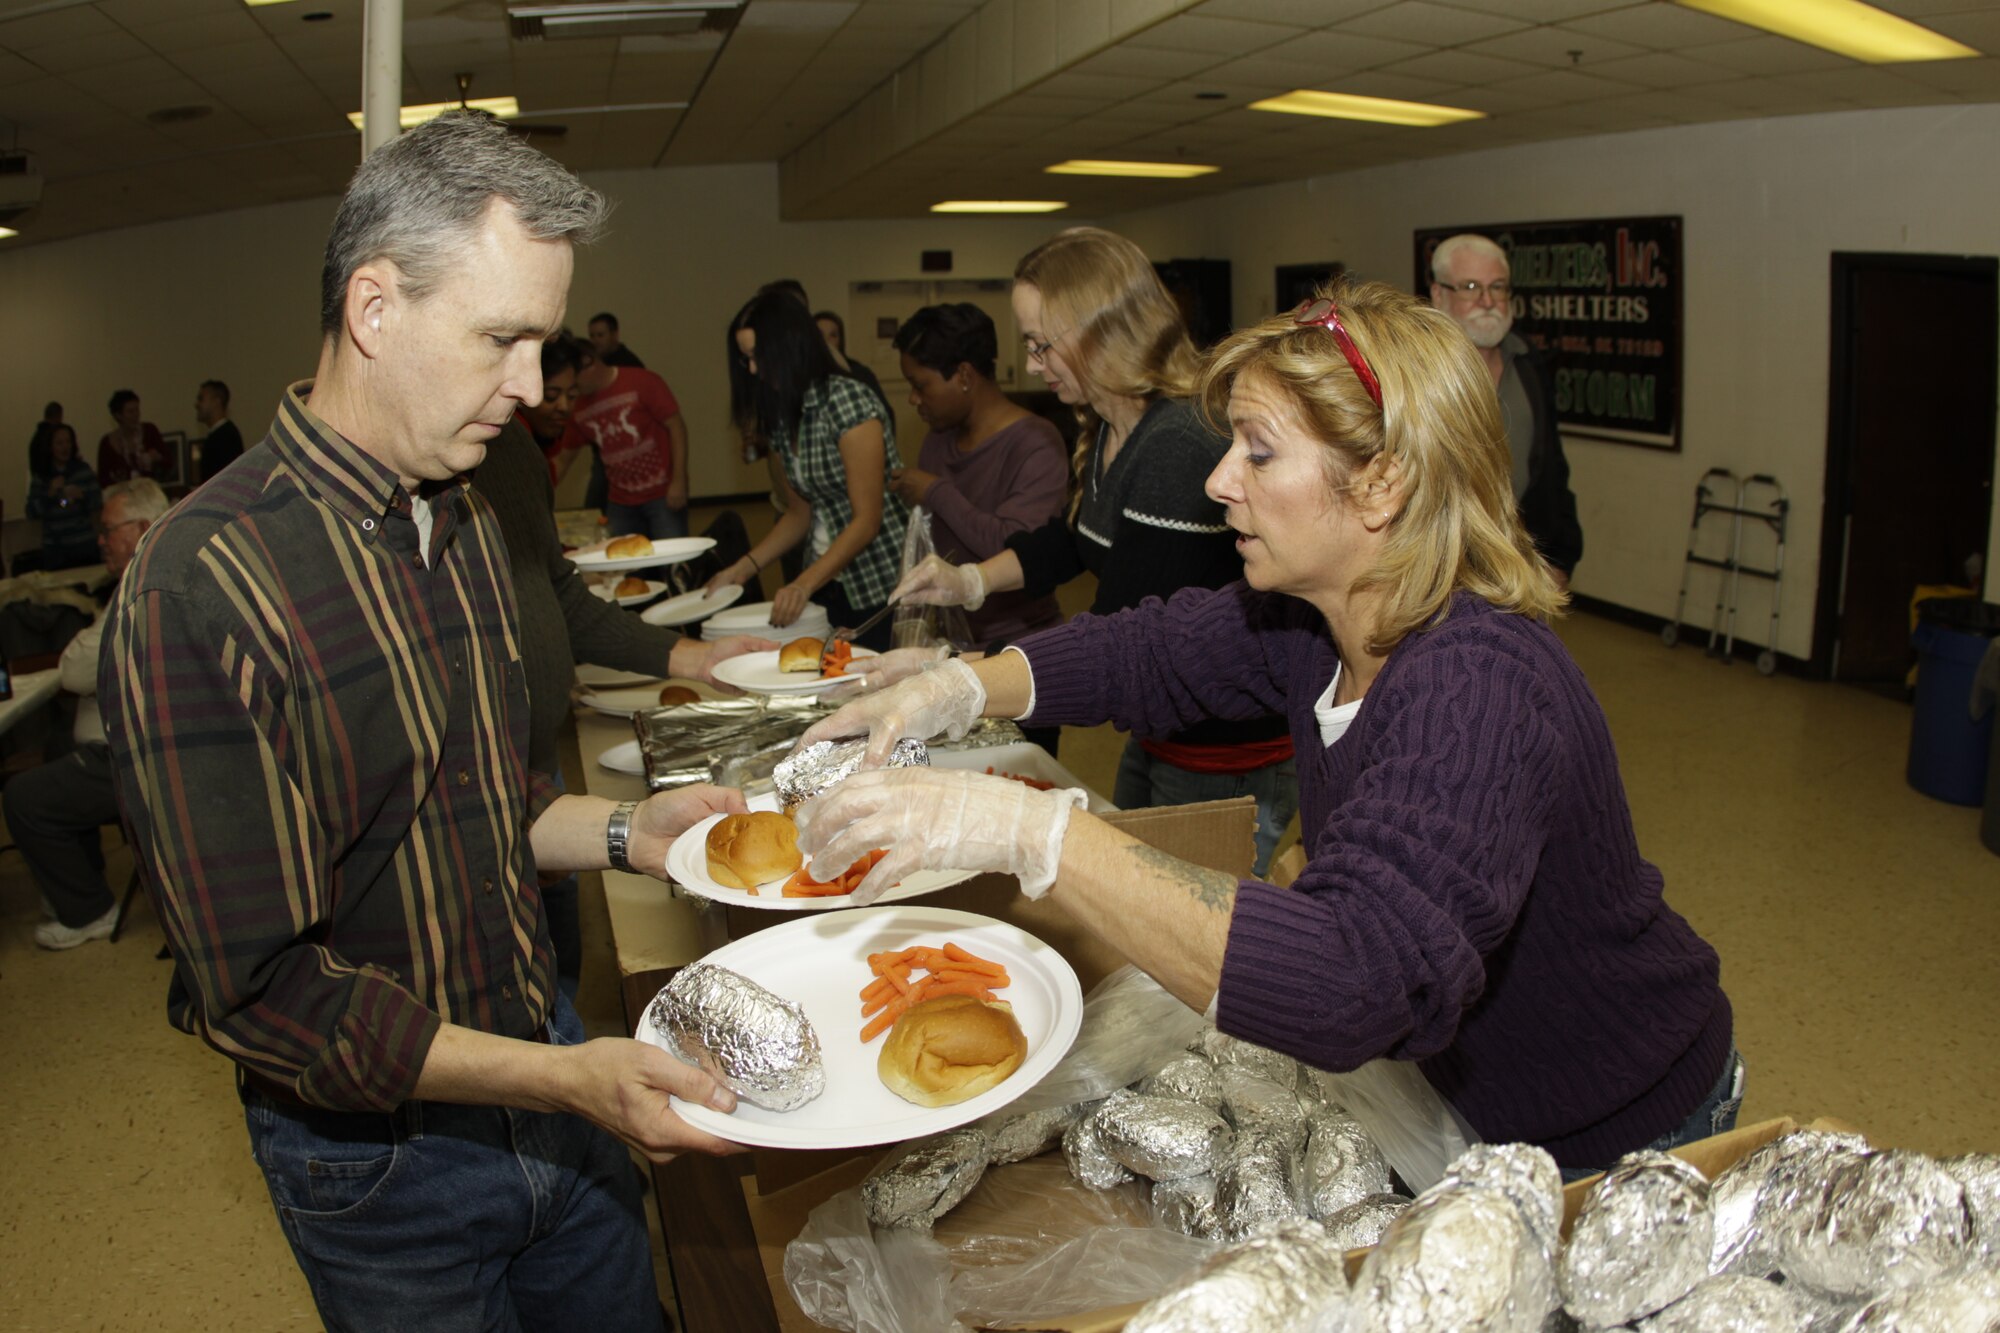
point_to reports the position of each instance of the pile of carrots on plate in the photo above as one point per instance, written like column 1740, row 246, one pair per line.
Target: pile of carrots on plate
column 952, row 971
column 803, row 885
column 839, row 655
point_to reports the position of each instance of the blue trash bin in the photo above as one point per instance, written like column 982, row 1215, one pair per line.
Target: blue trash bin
column 1948, row 748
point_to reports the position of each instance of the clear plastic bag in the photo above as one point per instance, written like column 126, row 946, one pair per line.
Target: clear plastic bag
column 917, row 626
column 1131, row 1026
column 1416, row 1129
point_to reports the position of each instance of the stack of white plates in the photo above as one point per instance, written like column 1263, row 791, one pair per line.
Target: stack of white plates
column 755, row 618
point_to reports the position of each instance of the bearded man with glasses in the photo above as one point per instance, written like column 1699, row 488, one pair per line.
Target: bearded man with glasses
column 1470, row 282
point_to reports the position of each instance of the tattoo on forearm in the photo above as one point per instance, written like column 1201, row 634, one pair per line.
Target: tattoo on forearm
column 1211, row 888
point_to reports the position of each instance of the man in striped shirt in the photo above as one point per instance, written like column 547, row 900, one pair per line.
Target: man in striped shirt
column 314, row 696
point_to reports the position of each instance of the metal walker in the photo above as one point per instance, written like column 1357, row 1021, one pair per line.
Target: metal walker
column 1772, row 510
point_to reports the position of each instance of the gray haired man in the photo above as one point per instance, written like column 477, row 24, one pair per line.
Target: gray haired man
column 315, row 699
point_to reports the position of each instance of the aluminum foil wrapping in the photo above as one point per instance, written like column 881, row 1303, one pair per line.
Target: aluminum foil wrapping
column 726, row 741
column 1641, row 1242
column 1187, row 1205
column 1161, row 1138
column 1979, row 1175
column 1873, row 1224
column 926, row 1179
column 1188, row 1078
column 758, row 1044
column 1733, row 1303
column 1284, row 1281
column 1225, row 1050
column 1255, row 1104
column 1967, row 1301
column 1256, row 1185
column 1362, row 1223
column 1459, row 1259
column 1089, row 1160
column 1764, row 1186
column 1018, row 1135
column 822, row 765
column 1341, row 1165
column 1529, row 1178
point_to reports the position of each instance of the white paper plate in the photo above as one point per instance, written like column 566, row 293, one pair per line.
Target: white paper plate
column 623, row 758
column 691, row 606
column 755, row 617
column 758, row 673
column 605, row 678
column 687, row 866
column 666, row 551
column 820, row 962
column 603, row 591
column 623, row 702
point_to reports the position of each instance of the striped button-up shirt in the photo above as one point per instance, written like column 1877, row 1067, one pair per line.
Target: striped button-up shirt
column 320, row 734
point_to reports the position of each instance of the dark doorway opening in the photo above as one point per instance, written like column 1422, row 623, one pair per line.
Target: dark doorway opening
column 1909, row 453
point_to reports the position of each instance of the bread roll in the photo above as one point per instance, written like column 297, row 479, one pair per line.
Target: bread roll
column 801, row 655
column 949, row 1050
column 624, row 548
column 747, row 850
column 671, row 695
column 630, row 587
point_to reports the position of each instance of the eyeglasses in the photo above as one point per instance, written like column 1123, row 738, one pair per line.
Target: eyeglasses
column 1321, row 312
column 122, row 523
column 1039, row 351
column 1499, row 290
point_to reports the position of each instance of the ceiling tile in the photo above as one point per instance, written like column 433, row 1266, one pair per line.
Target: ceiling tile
column 1979, row 30
column 1145, row 62
column 221, row 28
column 1660, row 69
column 1383, row 83
column 1298, row 13
column 1460, row 68
column 1563, row 85
column 1766, row 54
column 1975, row 80
column 1556, row 48
column 1540, row 11
column 1340, row 50
column 1659, row 27
column 1865, row 85
column 1430, row 24
column 76, row 23
column 111, row 48
column 1214, row 36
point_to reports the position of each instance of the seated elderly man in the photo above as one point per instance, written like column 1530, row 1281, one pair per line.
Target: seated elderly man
column 55, row 812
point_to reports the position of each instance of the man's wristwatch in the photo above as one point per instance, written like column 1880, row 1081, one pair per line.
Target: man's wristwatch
column 618, row 835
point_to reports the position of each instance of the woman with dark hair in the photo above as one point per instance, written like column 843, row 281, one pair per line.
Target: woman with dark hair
column 988, row 469
column 66, row 499
column 131, row 448
column 835, row 441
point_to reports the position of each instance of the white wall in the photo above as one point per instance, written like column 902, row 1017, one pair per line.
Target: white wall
column 1764, row 202
column 160, row 308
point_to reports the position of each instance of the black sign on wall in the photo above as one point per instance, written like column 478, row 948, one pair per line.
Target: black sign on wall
column 1602, row 298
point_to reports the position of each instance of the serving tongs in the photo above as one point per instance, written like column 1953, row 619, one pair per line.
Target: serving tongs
column 848, row 636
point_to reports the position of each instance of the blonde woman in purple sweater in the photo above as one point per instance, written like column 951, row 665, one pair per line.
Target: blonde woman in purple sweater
column 1474, row 899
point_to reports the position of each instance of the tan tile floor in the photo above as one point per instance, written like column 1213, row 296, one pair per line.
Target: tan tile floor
column 1856, row 921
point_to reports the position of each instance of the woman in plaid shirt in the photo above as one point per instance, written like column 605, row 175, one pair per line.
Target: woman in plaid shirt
column 837, row 443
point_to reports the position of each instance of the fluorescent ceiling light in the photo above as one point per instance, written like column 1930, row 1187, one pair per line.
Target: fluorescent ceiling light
column 256, row 4
column 1087, row 166
column 999, row 206
column 504, row 107
column 1350, row 106
column 1847, row 27
column 6, row 232
column 622, row 18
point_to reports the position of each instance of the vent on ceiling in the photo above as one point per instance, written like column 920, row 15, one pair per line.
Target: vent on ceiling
column 622, row 18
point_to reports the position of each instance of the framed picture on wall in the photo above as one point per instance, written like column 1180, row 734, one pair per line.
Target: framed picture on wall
column 1297, row 282
column 176, row 467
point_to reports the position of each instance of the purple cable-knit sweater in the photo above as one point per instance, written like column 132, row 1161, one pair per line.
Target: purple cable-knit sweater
column 1474, row 900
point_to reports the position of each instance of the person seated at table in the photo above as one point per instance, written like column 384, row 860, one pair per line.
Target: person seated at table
column 988, row 469
column 66, row 501
column 836, row 441
column 56, row 812
column 1474, row 900
column 131, row 448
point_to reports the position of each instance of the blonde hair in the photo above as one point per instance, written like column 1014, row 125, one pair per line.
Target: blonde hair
column 1439, row 424
column 1128, row 337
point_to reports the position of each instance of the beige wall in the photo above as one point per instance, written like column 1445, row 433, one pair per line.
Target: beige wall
column 159, row 308
column 1764, row 203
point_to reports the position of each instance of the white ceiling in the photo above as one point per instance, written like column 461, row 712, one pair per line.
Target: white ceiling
column 882, row 107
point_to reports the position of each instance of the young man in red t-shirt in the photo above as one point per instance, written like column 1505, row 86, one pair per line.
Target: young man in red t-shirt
column 635, row 422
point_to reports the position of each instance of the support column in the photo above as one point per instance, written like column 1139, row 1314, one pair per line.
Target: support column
column 381, row 73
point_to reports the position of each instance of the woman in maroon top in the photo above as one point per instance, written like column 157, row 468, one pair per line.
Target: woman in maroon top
column 131, row 448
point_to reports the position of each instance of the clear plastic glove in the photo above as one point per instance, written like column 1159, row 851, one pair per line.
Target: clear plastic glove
column 937, row 582
column 941, row 702
column 866, row 675
column 937, row 819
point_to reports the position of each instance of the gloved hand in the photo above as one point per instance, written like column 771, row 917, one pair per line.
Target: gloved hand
column 945, row 701
column 937, row 819
column 867, row 675
column 937, row 582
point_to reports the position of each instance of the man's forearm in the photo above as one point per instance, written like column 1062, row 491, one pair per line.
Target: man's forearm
column 476, row 1068
column 570, row 834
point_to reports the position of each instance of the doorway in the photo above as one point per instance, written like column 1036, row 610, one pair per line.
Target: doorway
column 1910, row 448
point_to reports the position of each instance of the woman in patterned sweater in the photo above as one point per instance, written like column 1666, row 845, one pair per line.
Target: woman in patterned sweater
column 837, row 443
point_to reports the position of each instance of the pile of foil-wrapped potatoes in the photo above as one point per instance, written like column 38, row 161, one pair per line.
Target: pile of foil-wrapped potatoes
column 1811, row 1233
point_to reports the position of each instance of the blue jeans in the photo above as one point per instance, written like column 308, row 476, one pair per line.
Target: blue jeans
column 442, row 1218
column 1715, row 1115
column 651, row 519
column 1146, row 781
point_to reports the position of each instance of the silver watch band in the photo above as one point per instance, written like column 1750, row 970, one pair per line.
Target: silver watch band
column 618, row 836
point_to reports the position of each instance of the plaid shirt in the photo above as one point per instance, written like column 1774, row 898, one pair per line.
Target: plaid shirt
column 814, row 466
column 320, row 746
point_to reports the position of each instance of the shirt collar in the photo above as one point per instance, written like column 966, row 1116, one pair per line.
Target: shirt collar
column 349, row 480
